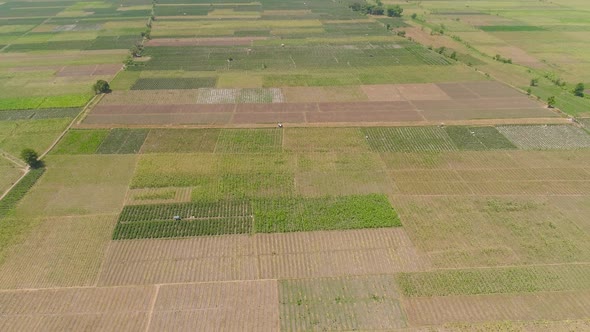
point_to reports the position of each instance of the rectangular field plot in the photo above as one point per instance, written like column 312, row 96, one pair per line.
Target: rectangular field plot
column 123, row 141
column 80, row 185
column 324, row 140
column 215, row 306
column 180, row 140
column 198, row 170
column 564, row 307
column 157, row 221
column 249, row 140
column 60, row 252
column 546, row 137
column 80, row 142
column 495, row 280
column 174, row 83
column 338, row 253
column 218, row 258
column 488, row 231
column 347, row 303
column 307, row 214
column 408, row 139
column 478, row 138
column 85, row 308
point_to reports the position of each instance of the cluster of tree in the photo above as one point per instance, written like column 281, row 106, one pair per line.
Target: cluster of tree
column 500, row 58
column 377, row 9
column 101, row 86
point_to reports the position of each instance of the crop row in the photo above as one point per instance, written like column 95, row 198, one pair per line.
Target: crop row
column 19, row 191
column 183, row 228
column 195, row 210
column 496, row 280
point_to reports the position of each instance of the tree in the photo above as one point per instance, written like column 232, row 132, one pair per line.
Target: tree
column 579, row 90
column 395, row 11
column 551, row 101
column 30, row 157
column 101, row 86
column 414, row 16
column 534, row 82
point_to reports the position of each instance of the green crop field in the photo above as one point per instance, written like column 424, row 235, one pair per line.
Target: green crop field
column 295, row 165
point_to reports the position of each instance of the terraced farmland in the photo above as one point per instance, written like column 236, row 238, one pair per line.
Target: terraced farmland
column 407, row 187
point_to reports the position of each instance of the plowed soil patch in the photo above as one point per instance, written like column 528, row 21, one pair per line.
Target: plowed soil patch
column 233, row 306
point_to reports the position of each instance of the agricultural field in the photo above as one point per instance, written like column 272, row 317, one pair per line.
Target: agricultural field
column 408, row 187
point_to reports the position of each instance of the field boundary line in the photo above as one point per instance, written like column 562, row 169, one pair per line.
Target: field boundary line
column 12, row 159
column 152, row 306
column 305, row 124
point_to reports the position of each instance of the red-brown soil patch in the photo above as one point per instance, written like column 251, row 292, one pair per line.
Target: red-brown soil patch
column 366, row 106
column 361, row 116
column 266, row 117
column 276, row 107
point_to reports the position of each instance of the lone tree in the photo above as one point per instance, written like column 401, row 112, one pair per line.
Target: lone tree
column 30, row 157
column 101, row 86
column 551, row 101
column 579, row 90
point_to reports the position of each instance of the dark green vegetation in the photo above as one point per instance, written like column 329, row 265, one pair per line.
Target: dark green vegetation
column 101, row 86
column 259, row 215
column 478, row 138
column 197, row 219
column 325, row 213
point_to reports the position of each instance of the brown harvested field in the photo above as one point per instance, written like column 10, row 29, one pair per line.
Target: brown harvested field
column 362, row 116
column 421, row 92
column 260, row 256
column 109, row 309
column 337, row 253
column 366, row 104
column 364, row 107
column 60, row 252
column 504, row 307
column 184, row 260
column 248, row 118
column 276, row 108
column 382, row 92
column 457, row 91
column 323, row 94
column 231, row 306
column 214, row 119
column 217, row 41
column 162, row 109
column 491, row 114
